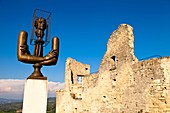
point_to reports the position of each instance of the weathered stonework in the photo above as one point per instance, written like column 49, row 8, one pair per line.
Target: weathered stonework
column 122, row 84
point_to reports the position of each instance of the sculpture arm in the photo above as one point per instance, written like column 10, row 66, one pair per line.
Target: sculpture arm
column 23, row 53
column 53, row 53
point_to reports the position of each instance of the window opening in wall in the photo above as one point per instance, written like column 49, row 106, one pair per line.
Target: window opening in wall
column 114, row 59
column 114, row 63
column 72, row 80
column 79, row 79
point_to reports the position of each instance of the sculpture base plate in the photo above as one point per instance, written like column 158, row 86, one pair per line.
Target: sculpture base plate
column 35, row 96
column 37, row 77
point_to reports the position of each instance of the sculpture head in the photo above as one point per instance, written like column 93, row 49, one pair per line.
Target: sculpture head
column 40, row 25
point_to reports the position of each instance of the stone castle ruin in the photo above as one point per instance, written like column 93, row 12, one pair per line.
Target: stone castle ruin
column 123, row 84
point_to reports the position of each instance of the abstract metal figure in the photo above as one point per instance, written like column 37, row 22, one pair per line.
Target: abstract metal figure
column 37, row 59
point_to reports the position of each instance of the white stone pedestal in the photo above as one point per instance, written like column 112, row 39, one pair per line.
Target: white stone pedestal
column 35, row 96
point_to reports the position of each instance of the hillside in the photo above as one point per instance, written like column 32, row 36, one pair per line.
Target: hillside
column 4, row 100
column 8, row 106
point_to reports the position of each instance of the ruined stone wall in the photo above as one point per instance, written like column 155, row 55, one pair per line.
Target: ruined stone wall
column 69, row 100
column 122, row 85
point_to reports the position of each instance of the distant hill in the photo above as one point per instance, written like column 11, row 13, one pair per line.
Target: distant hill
column 51, row 99
column 12, row 105
column 4, row 100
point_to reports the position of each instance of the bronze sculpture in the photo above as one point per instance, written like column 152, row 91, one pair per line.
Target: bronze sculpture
column 37, row 59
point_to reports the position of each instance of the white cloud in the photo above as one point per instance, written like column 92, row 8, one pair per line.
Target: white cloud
column 53, row 86
column 13, row 88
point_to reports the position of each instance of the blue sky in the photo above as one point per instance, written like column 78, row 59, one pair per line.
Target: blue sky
column 83, row 27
